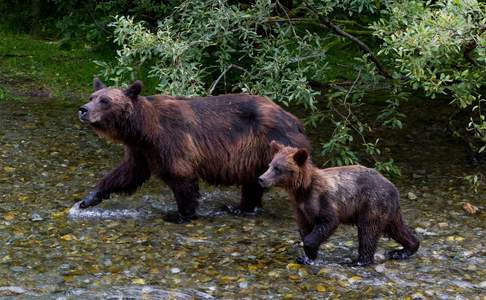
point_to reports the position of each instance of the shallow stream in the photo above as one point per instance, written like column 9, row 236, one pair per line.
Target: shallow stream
column 123, row 249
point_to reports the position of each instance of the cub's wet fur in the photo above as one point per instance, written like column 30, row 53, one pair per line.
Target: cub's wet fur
column 324, row 198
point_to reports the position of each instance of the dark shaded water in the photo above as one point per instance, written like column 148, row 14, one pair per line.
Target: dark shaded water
column 122, row 248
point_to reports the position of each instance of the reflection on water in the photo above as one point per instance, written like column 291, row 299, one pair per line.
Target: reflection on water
column 123, row 249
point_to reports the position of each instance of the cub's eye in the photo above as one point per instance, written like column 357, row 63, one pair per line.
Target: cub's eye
column 277, row 170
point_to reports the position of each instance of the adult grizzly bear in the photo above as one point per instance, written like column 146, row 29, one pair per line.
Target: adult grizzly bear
column 223, row 140
column 322, row 199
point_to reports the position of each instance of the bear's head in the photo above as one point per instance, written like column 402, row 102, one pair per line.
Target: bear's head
column 286, row 168
column 109, row 108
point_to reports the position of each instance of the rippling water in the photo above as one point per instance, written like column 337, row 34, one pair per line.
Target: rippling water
column 123, row 249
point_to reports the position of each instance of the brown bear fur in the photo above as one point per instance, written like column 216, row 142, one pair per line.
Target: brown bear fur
column 220, row 139
column 324, row 198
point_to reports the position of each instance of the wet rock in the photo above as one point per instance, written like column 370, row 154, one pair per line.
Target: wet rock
column 455, row 238
column 243, row 285
column 17, row 269
column 471, row 267
column 35, row 217
column 411, row 196
column 482, row 285
column 380, row 268
column 379, row 256
column 443, row 225
column 470, row 209
column 175, row 270
column 11, row 290
column 462, row 284
column 321, row 288
column 423, row 231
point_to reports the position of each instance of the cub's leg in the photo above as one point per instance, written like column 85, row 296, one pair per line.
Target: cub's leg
column 186, row 192
column 369, row 232
column 398, row 231
column 324, row 227
column 251, row 199
column 305, row 227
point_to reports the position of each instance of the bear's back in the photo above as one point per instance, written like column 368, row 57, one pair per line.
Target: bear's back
column 357, row 188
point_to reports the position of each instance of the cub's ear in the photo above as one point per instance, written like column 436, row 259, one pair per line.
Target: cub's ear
column 97, row 84
column 300, row 157
column 275, row 147
column 134, row 90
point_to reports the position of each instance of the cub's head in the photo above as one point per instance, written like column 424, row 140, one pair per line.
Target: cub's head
column 286, row 167
column 107, row 105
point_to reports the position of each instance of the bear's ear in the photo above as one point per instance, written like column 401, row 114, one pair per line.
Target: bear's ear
column 134, row 90
column 275, row 147
column 300, row 157
column 97, row 84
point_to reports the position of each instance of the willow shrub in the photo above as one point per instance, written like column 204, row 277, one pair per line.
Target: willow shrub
column 207, row 47
column 441, row 49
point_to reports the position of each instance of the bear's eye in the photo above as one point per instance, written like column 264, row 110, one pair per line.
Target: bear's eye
column 277, row 170
column 104, row 101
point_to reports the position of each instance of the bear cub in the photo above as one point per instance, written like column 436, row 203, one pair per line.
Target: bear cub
column 324, row 198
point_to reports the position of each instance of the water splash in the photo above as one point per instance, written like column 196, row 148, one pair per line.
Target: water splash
column 211, row 204
column 134, row 292
column 98, row 213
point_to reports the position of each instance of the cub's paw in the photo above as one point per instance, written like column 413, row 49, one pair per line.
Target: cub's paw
column 303, row 260
column 360, row 263
column 311, row 241
column 398, row 254
column 176, row 218
column 311, row 252
column 92, row 199
column 238, row 211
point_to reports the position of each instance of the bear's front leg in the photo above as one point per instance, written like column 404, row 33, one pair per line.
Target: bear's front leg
column 305, row 228
column 251, row 200
column 130, row 174
column 323, row 229
column 186, row 193
column 94, row 198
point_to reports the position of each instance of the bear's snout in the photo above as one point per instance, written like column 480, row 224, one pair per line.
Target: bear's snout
column 83, row 113
column 262, row 182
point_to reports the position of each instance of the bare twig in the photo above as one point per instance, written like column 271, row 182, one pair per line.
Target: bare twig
column 215, row 83
column 470, row 46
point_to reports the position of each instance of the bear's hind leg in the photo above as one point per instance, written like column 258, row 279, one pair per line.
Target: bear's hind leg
column 398, row 231
column 369, row 233
column 251, row 200
column 186, row 192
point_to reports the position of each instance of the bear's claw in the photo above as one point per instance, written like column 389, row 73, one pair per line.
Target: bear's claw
column 176, row 218
column 398, row 254
column 360, row 263
column 238, row 211
column 91, row 200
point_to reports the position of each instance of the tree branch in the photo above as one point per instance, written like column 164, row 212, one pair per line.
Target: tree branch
column 326, row 22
